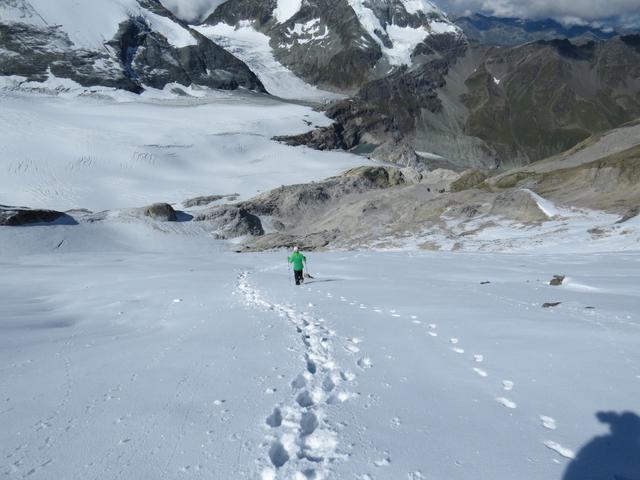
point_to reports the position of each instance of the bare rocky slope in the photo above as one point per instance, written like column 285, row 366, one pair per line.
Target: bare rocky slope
column 490, row 107
column 371, row 205
column 383, row 206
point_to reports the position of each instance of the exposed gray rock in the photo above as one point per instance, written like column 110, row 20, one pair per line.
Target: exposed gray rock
column 232, row 221
column 518, row 205
column 487, row 107
column 19, row 216
column 206, row 200
column 470, row 179
column 557, row 280
column 551, row 304
column 633, row 212
column 309, row 242
column 162, row 212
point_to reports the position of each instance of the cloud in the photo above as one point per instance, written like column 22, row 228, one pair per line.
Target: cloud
column 572, row 11
column 191, row 10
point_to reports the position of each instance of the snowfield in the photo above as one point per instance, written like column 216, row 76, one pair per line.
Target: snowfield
column 134, row 349
column 131, row 352
column 64, row 148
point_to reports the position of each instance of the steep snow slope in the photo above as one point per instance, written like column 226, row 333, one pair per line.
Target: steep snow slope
column 252, row 47
column 92, row 24
column 402, row 37
column 122, row 359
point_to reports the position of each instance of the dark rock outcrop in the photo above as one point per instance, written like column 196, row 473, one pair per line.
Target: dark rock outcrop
column 19, row 216
column 491, row 107
column 232, row 221
column 162, row 212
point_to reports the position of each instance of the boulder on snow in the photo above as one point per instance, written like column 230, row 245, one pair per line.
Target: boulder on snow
column 557, row 280
column 232, row 221
column 18, row 216
column 551, row 304
column 162, row 212
column 518, row 205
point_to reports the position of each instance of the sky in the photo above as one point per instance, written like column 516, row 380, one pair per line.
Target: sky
column 625, row 13
column 608, row 12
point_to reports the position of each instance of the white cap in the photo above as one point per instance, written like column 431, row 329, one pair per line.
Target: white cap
column 295, row 249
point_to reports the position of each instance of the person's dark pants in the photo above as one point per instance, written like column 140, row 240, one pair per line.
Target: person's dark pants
column 299, row 276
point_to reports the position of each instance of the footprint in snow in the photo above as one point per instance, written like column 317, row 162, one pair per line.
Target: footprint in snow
column 548, row 422
column 506, row 402
column 433, row 334
column 416, row 322
column 480, row 372
column 351, row 348
column 478, row 358
column 453, row 341
column 275, row 419
column 364, row 363
column 382, row 462
column 433, row 326
column 458, row 350
column 278, row 454
column 507, row 385
column 377, row 310
column 560, row 450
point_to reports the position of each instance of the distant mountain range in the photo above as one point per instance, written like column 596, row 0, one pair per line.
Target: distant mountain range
column 515, row 31
column 483, row 91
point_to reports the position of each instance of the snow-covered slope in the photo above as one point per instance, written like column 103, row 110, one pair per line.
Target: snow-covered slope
column 102, row 153
column 400, row 33
column 131, row 352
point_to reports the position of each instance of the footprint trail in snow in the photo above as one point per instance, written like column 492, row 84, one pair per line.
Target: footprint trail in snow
column 301, row 442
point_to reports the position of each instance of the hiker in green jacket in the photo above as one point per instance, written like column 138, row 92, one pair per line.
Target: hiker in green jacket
column 299, row 261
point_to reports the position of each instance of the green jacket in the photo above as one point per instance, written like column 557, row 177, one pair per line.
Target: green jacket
column 297, row 259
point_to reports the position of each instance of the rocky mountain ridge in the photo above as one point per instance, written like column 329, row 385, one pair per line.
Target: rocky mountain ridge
column 137, row 44
column 511, row 31
column 340, row 44
column 489, row 107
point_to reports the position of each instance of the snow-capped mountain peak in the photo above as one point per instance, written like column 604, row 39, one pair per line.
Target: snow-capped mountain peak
column 128, row 44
